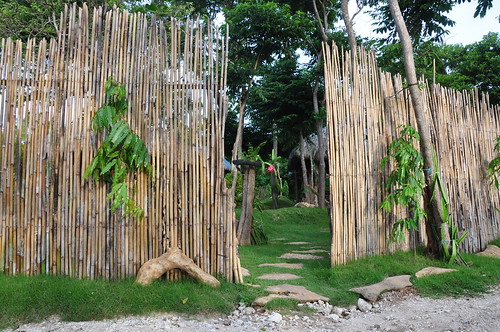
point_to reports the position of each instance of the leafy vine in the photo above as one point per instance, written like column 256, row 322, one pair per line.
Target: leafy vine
column 121, row 152
column 406, row 181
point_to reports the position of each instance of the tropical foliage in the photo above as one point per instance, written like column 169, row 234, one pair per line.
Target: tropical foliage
column 406, row 181
column 121, row 152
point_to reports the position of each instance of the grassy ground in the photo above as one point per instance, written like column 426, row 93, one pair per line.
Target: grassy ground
column 29, row 299
column 311, row 225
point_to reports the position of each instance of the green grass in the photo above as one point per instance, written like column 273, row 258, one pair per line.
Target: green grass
column 32, row 299
column 311, row 225
column 283, row 202
column 495, row 242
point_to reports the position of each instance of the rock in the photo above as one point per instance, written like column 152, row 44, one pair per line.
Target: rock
column 310, row 251
column 288, row 291
column 431, row 270
column 304, row 204
column 333, row 317
column 339, row 311
column 300, row 256
column 244, row 272
column 298, row 243
column 248, row 311
column 275, row 318
column 372, row 292
column 262, row 301
column 279, row 276
column 491, row 251
column 364, row 306
column 284, row 265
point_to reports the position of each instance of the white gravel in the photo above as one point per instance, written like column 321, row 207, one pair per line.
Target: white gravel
column 395, row 312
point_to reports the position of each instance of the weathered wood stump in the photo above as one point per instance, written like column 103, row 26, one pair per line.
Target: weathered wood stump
column 173, row 259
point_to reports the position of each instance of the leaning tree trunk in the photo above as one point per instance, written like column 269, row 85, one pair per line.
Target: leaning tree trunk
column 245, row 223
column 350, row 31
column 321, row 150
column 435, row 222
column 305, row 176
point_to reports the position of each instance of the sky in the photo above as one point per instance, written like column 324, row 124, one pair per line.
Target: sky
column 467, row 29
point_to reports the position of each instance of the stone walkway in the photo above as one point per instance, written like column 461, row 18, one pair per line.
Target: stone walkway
column 295, row 292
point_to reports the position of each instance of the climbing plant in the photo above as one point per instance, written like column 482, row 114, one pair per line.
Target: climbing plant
column 406, row 182
column 121, row 151
column 494, row 166
column 451, row 250
column 406, row 185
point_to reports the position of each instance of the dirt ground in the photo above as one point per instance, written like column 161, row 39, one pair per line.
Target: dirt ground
column 395, row 311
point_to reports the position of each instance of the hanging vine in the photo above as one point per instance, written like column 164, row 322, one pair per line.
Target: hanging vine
column 406, row 182
column 120, row 153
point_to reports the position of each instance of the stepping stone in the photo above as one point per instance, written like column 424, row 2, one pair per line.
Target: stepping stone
column 300, row 256
column 251, row 285
column 310, row 251
column 244, row 272
column 279, row 276
column 284, row 265
column 491, row 251
column 279, row 239
column 428, row 271
column 298, row 243
column 372, row 292
column 287, row 291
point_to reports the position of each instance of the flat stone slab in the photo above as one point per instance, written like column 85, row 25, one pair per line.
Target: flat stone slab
column 431, row 270
column 310, row 251
column 279, row 239
column 300, row 256
column 279, row 276
column 244, row 272
column 372, row 292
column 298, row 243
column 284, row 265
column 491, row 251
column 287, row 291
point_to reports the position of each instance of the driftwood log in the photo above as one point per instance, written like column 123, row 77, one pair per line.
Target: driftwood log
column 174, row 258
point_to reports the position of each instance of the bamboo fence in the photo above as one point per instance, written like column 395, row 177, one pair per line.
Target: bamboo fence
column 54, row 222
column 365, row 106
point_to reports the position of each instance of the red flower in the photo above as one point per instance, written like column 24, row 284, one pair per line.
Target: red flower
column 270, row 169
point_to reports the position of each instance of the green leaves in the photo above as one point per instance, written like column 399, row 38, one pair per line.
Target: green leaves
column 494, row 166
column 405, row 182
column 120, row 152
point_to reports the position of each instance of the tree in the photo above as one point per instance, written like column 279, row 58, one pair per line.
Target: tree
column 432, row 200
column 283, row 96
column 22, row 19
column 260, row 32
column 454, row 66
column 476, row 65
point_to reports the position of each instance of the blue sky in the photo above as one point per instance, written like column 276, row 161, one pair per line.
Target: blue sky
column 467, row 29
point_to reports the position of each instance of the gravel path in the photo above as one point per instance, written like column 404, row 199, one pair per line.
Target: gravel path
column 395, row 312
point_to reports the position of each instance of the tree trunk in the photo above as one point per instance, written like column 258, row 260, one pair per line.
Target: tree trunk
column 321, row 149
column 434, row 219
column 305, row 177
column 274, row 191
column 246, row 218
column 349, row 28
column 275, row 138
column 238, row 142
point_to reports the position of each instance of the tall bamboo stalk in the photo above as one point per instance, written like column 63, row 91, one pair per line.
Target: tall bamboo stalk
column 51, row 220
column 364, row 109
